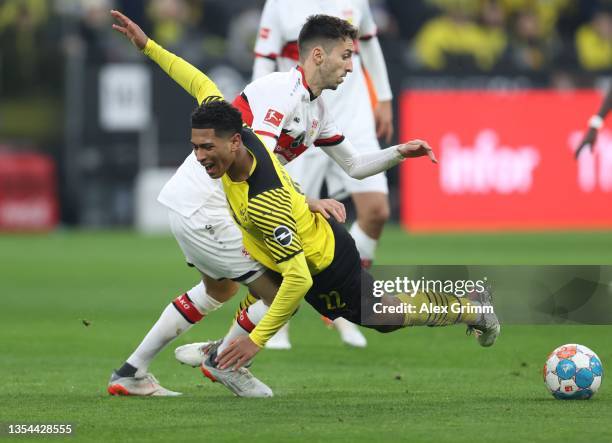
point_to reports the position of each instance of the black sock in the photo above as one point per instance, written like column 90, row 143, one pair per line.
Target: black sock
column 127, row 370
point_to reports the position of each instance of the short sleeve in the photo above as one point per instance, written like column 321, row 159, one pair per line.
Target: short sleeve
column 269, row 107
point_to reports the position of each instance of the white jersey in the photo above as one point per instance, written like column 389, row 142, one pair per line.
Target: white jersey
column 191, row 188
column 280, row 26
column 281, row 106
column 202, row 225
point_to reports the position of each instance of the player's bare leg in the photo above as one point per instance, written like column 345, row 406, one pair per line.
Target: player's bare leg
column 132, row 378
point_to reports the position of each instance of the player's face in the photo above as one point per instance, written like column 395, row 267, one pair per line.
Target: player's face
column 338, row 62
column 215, row 153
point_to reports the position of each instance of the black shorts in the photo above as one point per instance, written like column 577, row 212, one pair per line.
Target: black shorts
column 343, row 289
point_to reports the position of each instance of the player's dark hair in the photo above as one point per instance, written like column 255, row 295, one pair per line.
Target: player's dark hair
column 218, row 115
column 324, row 30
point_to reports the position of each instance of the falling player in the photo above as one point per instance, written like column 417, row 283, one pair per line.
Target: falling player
column 289, row 118
column 315, row 259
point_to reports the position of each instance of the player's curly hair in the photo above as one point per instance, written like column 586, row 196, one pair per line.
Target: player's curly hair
column 219, row 115
column 323, row 29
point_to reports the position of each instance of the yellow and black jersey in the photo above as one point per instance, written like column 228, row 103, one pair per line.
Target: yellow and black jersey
column 279, row 231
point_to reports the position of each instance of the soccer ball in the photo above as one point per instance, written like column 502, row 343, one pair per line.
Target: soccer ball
column 573, row 372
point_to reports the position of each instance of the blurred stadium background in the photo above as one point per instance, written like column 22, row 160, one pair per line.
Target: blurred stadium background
column 89, row 129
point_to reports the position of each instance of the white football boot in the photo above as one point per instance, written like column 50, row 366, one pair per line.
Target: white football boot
column 350, row 333
column 139, row 386
column 241, row 382
column 280, row 340
column 488, row 328
column 192, row 354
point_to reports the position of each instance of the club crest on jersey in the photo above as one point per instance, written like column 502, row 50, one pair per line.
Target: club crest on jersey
column 283, row 235
column 273, row 117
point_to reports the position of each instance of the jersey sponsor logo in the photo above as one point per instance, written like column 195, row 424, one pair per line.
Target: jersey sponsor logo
column 273, row 117
column 283, row 235
column 264, row 33
column 287, row 149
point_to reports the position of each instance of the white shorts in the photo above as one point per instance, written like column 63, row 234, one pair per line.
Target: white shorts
column 211, row 241
column 311, row 168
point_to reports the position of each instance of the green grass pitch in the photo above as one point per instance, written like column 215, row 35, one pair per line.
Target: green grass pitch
column 415, row 385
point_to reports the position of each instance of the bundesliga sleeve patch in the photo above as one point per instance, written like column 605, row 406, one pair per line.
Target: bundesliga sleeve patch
column 273, row 118
column 264, row 33
column 283, row 235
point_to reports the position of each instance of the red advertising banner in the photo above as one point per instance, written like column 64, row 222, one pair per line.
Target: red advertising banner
column 28, row 195
column 506, row 161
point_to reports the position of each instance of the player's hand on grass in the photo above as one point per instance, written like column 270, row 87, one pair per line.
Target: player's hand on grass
column 587, row 142
column 383, row 117
column 417, row 148
column 130, row 29
column 328, row 207
column 240, row 351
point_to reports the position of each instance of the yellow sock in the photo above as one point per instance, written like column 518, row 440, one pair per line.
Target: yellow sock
column 438, row 309
column 247, row 301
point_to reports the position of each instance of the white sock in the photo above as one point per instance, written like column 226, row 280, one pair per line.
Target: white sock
column 366, row 245
column 178, row 317
column 244, row 324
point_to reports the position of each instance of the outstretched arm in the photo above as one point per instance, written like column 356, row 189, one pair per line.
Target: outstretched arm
column 194, row 81
column 360, row 166
column 595, row 123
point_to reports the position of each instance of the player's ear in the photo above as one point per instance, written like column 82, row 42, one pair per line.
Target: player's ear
column 318, row 55
column 235, row 141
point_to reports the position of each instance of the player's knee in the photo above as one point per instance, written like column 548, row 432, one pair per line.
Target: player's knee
column 221, row 290
column 377, row 212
